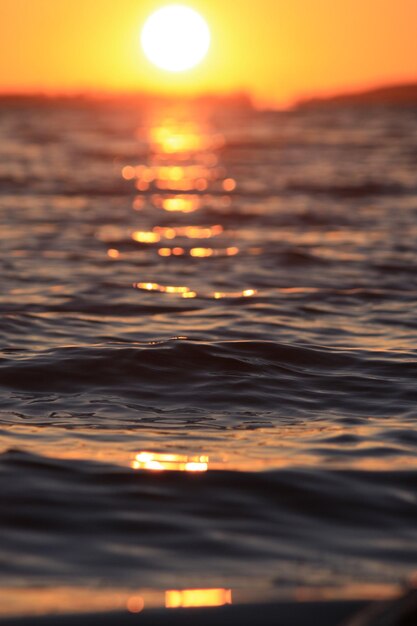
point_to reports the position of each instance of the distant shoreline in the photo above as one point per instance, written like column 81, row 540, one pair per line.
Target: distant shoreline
column 142, row 100
column 390, row 95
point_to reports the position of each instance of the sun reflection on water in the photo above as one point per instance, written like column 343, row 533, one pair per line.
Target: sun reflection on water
column 113, row 253
column 146, row 237
column 189, row 232
column 188, row 598
column 162, row 288
column 173, row 137
column 246, row 293
column 182, row 160
column 171, row 462
column 17, row 602
column 182, row 204
column 187, row 292
column 181, row 175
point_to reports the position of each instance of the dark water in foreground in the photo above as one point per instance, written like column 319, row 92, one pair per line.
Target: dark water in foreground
column 239, row 291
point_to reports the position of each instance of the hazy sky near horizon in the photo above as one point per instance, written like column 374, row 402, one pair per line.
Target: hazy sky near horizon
column 277, row 50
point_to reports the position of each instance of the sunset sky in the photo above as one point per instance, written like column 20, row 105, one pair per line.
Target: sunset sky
column 277, row 50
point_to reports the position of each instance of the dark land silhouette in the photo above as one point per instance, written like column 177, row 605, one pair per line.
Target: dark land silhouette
column 392, row 95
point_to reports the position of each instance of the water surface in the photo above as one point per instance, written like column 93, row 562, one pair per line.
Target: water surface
column 237, row 291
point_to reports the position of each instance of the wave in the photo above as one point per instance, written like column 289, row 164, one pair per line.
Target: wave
column 242, row 373
column 157, row 528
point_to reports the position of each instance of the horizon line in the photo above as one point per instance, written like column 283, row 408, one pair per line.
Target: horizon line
column 244, row 94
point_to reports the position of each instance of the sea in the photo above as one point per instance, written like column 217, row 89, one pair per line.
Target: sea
column 208, row 353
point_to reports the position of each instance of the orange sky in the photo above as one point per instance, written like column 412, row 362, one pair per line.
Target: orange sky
column 275, row 49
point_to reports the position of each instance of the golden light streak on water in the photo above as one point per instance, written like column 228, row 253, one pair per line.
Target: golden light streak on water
column 186, row 292
column 166, row 232
column 201, row 252
column 163, row 288
column 177, row 251
column 173, row 289
column 190, row 232
column 164, row 251
column 173, row 173
column 171, row 462
column 147, row 286
column 145, row 237
column 246, row 293
column 182, row 204
column 170, row 141
column 58, row 601
column 197, row 597
column 190, row 294
column 147, row 174
column 182, row 185
column 37, row 601
column 172, row 138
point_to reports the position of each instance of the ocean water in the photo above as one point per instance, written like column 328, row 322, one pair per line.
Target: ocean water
column 208, row 350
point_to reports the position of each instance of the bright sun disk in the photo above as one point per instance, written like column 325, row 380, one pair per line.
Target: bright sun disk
column 175, row 38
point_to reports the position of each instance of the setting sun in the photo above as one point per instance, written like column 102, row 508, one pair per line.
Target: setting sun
column 175, row 38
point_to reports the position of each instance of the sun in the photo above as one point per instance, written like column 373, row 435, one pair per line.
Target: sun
column 175, row 38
